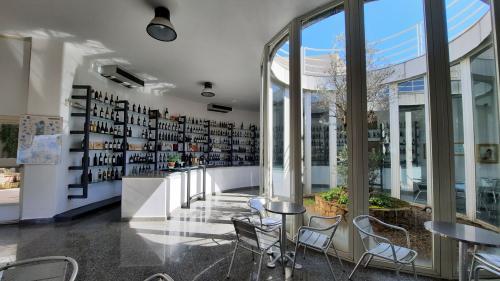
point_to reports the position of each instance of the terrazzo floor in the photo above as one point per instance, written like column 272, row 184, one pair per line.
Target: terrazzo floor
column 195, row 244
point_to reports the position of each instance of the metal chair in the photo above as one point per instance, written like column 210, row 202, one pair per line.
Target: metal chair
column 487, row 197
column 254, row 239
column 381, row 247
column 159, row 277
column 318, row 238
column 39, row 269
column 484, row 261
column 265, row 220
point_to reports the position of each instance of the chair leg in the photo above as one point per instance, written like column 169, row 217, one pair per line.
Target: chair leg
column 260, row 266
column 329, row 265
column 471, row 271
column 253, row 254
column 338, row 257
column 414, row 270
column 368, row 261
column 305, row 249
column 232, row 260
column 357, row 265
column 295, row 256
column 476, row 273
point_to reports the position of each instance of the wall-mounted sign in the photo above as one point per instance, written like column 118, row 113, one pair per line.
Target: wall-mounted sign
column 40, row 140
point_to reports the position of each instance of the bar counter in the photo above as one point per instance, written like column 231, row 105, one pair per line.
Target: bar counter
column 154, row 195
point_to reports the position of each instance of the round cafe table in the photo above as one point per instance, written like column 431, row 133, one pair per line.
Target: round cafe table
column 284, row 209
column 466, row 235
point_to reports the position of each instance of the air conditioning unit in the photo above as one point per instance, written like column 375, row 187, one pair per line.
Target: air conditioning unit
column 120, row 76
column 219, row 108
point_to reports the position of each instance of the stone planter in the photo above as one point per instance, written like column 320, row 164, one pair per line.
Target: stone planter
column 328, row 208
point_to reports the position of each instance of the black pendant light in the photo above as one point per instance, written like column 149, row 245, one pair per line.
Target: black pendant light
column 207, row 91
column 160, row 27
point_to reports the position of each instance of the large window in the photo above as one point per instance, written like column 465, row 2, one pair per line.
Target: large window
column 279, row 92
column 325, row 119
column 475, row 110
column 397, row 127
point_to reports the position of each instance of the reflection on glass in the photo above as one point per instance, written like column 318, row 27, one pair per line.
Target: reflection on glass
column 485, row 94
column 458, row 137
column 279, row 92
column 324, row 120
column 397, row 125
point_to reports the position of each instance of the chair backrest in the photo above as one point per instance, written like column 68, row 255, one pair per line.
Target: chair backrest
column 257, row 205
column 365, row 230
column 159, row 277
column 329, row 229
column 245, row 232
column 486, row 182
column 31, row 268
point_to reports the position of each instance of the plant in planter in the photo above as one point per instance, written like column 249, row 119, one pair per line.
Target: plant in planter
column 333, row 202
column 172, row 159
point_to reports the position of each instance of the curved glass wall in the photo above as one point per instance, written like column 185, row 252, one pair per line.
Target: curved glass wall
column 398, row 155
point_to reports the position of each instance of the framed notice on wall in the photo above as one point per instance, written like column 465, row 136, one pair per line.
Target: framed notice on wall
column 40, row 140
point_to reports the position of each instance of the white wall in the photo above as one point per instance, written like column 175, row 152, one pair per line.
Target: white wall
column 14, row 70
column 55, row 67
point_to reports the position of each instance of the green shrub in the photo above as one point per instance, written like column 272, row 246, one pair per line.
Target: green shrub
column 337, row 194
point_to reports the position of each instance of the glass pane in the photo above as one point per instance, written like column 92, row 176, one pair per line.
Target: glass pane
column 10, row 174
column 324, row 120
column 485, row 95
column 475, row 113
column 475, row 110
column 279, row 93
column 397, row 122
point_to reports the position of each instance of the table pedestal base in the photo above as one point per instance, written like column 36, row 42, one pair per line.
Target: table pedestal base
column 463, row 261
column 276, row 257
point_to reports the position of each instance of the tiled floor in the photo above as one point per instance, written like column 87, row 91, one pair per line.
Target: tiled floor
column 194, row 244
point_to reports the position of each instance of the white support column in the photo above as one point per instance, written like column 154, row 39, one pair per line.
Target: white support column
column 295, row 134
column 469, row 143
column 264, row 124
column 395, row 146
column 307, row 144
column 409, row 151
column 441, row 130
column 357, row 123
column 332, row 144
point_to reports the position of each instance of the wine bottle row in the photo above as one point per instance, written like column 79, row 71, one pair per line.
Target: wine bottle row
column 104, row 175
column 106, row 160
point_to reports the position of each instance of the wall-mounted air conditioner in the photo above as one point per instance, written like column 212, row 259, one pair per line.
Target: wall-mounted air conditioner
column 219, row 108
column 120, row 76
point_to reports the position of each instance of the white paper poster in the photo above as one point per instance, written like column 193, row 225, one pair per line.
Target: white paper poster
column 40, row 140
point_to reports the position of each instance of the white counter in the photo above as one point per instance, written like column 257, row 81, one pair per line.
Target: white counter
column 156, row 196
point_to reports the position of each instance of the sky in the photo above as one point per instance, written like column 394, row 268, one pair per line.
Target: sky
column 398, row 22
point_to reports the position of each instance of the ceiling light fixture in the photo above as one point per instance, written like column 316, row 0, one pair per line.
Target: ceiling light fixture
column 160, row 27
column 207, row 91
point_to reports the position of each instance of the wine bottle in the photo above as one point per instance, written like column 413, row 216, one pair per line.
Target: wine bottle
column 94, row 112
column 90, row 176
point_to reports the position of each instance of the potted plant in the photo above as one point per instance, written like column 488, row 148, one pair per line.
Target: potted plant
column 172, row 159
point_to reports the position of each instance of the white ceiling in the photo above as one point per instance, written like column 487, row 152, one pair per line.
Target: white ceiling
column 218, row 40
